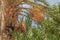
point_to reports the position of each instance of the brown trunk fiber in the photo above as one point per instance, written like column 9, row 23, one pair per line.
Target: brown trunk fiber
column 3, row 36
column 8, row 15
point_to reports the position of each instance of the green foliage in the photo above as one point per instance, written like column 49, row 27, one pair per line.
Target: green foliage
column 49, row 30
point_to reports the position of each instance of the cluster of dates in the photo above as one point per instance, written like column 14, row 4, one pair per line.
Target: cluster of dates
column 37, row 15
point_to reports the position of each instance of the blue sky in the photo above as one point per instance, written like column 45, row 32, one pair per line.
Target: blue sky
column 51, row 2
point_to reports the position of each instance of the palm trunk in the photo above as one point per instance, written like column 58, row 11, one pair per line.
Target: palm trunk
column 8, row 14
column 3, row 36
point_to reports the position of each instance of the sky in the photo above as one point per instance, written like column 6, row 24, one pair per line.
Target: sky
column 52, row 2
